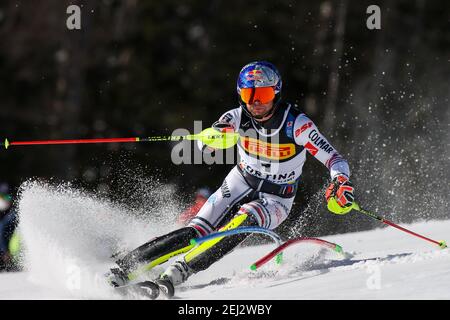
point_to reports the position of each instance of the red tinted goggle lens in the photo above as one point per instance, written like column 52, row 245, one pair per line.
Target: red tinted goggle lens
column 263, row 95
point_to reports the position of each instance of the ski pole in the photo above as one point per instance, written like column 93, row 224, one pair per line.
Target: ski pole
column 209, row 136
column 357, row 207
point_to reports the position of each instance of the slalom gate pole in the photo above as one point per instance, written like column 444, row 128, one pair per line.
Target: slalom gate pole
column 277, row 251
column 357, row 207
column 209, row 136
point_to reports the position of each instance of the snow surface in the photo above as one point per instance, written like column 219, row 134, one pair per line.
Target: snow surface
column 69, row 237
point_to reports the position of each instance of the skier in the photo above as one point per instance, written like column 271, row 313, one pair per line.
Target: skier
column 259, row 191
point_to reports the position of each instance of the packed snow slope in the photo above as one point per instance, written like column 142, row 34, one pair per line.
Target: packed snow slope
column 69, row 237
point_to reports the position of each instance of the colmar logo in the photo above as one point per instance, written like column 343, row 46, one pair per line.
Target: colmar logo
column 319, row 141
column 225, row 190
column 268, row 150
column 303, row 128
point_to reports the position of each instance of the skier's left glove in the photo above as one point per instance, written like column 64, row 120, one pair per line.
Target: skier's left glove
column 339, row 195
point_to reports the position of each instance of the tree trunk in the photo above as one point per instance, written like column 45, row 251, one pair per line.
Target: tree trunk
column 336, row 56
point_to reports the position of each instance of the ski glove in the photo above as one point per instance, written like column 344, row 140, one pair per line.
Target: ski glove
column 223, row 126
column 219, row 126
column 339, row 195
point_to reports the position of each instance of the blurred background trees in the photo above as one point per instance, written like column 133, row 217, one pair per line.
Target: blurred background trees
column 138, row 68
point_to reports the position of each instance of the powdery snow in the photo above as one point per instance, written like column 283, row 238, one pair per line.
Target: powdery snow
column 68, row 238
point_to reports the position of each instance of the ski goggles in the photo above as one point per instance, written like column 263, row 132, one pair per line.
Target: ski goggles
column 262, row 94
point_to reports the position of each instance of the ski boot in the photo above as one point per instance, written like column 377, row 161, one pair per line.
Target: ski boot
column 174, row 275
column 148, row 289
column 165, row 287
column 151, row 289
column 116, row 277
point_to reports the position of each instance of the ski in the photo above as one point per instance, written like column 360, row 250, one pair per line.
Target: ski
column 147, row 289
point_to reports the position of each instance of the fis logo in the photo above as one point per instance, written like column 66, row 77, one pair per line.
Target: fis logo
column 270, row 151
column 303, row 128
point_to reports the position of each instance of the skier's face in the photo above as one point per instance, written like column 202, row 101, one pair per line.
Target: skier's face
column 260, row 110
column 259, row 101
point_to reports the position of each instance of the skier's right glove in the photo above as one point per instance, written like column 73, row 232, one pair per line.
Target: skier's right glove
column 339, row 195
column 223, row 127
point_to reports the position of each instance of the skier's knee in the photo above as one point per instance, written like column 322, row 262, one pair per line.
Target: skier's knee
column 202, row 257
column 257, row 214
column 203, row 228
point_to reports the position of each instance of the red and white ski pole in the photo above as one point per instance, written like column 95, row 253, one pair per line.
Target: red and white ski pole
column 209, row 136
column 356, row 207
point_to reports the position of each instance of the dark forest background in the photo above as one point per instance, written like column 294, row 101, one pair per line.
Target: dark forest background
column 139, row 68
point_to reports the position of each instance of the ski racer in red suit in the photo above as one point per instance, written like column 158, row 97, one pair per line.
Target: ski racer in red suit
column 274, row 139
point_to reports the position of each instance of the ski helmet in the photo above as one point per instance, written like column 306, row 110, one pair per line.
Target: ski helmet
column 259, row 80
